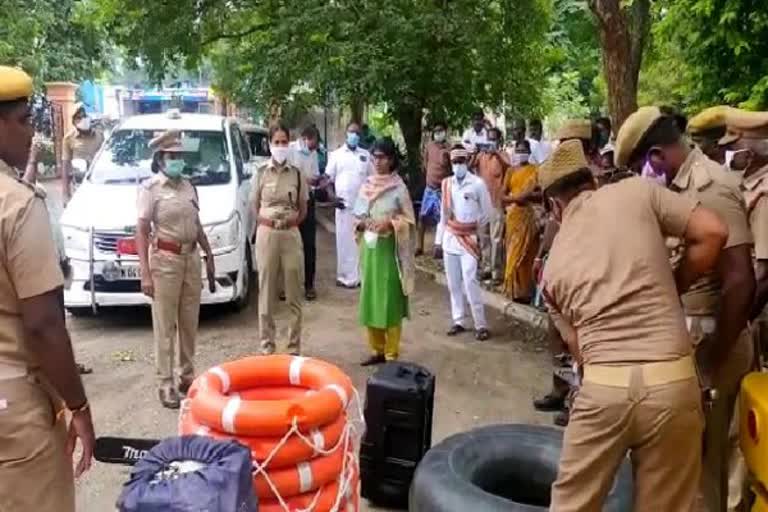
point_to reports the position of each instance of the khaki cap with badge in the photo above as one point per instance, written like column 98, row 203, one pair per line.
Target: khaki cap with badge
column 15, row 84
column 632, row 132
column 575, row 129
column 167, row 142
column 567, row 158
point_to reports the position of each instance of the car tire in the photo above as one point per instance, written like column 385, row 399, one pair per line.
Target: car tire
column 81, row 312
column 500, row 468
column 244, row 298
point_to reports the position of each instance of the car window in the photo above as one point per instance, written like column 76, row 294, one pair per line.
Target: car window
column 127, row 158
column 258, row 142
column 236, row 150
column 243, row 167
column 245, row 149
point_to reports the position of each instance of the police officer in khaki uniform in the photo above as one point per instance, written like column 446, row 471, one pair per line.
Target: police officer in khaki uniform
column 279, row 196
column 745, row 148
column 718, row 305
column 614, row 297
column 83, row 142
column 169, row 240
column 39, row 383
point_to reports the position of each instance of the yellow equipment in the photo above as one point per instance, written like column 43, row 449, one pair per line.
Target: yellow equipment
column 753, row 434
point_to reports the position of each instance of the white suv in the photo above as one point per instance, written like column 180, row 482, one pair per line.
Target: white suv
column 99, row 222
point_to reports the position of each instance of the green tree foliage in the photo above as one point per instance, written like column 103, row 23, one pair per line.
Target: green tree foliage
column 722, row 47
column 54, row 40
column 442, row 57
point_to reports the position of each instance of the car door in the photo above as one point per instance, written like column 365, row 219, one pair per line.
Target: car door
column 242, row 155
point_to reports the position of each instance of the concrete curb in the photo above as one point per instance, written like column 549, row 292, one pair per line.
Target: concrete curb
column 508, row 308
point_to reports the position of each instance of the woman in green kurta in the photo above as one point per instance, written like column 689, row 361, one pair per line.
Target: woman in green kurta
column 385, row 224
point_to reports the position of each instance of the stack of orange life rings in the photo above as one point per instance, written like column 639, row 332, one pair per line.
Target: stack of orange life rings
column 291, row 412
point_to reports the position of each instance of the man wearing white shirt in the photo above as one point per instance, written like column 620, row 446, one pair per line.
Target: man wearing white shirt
column 304, row 156
column 348, row 167
column 466, row 208
column 540, row 148
column 477, row 133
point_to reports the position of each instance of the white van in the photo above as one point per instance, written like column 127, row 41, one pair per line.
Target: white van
column 99, row 222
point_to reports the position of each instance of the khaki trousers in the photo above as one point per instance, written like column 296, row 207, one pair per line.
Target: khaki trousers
column 278, row 250
column 175, row 311
column 492, row 245
column 660, row 426
column 719, row 447
column 35, row 472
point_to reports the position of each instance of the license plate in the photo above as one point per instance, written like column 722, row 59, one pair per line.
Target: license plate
column 132, row 272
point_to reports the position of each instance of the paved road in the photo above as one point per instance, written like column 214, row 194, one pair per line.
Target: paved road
column 477, row 384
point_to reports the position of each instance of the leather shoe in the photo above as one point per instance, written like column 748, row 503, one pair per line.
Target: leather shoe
column 374, row 360
column 549, row 403
column 482, row 335
column 455, row 330
column 169, row 397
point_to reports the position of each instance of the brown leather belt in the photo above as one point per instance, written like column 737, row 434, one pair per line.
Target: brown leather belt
column 271, row 223
column 173, row 247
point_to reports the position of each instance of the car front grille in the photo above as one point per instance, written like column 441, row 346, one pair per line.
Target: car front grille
column 104, row 286
column 106, row 241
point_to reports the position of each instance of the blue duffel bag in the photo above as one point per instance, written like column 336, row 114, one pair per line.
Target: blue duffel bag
column 191, row 474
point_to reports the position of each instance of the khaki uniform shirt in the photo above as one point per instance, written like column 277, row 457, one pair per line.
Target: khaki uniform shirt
column 608, row 274
column 80, row 145
column 755, row 190
column 28, row 265
column 277, row 191
column 707, row 182
column 172, row 208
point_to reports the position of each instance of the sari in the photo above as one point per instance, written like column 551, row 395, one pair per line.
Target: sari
column 521, row 240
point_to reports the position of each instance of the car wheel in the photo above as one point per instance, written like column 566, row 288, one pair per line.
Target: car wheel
column 244, row 298
column 81, row 312
column 507, row 468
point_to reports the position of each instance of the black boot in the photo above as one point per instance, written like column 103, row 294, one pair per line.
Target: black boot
column 549, row 403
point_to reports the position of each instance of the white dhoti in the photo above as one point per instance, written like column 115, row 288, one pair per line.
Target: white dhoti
column 461, row 272
column 347, row 251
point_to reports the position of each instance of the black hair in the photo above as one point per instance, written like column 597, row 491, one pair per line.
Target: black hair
column 278, row 126
column 605, row 121
column 7, row 107
column 524, row 142
column 535, row 122
column 478, row 113
column 680, row 119
column 663, row 132
column 439, row 122
column 498, row 133
column 311, row 132
column 351, row 123
column 387, row 146
column 571, row 184
column 155, row 166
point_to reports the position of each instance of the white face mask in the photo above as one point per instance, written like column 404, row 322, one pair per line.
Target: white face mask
column 439, row 136
column 279, row 153
column 84, row 124
column 460, row 170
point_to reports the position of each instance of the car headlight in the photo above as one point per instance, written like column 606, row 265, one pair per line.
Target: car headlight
column 224, row 236
column 75, row 240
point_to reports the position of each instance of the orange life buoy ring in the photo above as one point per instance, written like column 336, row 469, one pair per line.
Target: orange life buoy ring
column 294, row 450
column 301, row 478
column 325, row 501
column 261, row 418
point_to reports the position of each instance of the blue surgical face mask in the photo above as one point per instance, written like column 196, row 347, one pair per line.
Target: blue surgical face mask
column 174, row 168
column 460, row 170
column 352, row 139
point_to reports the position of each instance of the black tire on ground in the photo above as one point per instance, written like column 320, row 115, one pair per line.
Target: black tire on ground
column 501, row 468
column 242, row 302
column 81, row 312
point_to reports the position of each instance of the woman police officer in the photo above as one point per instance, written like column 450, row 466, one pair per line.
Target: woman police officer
column 279, row 197
column 168, row 235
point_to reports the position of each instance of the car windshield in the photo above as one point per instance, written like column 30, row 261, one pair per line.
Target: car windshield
column 127, row 159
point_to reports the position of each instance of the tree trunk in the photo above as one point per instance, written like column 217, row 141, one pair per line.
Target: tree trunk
column 357, row 108
column 409, row 117
column 623, row 32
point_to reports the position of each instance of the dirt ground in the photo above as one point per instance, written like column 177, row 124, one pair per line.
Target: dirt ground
column 477, row 384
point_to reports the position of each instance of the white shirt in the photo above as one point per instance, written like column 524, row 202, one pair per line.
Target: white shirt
column 470, row 202
column 471, row 138
column 540, row 150
column 307, row 161
column 348, row 169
